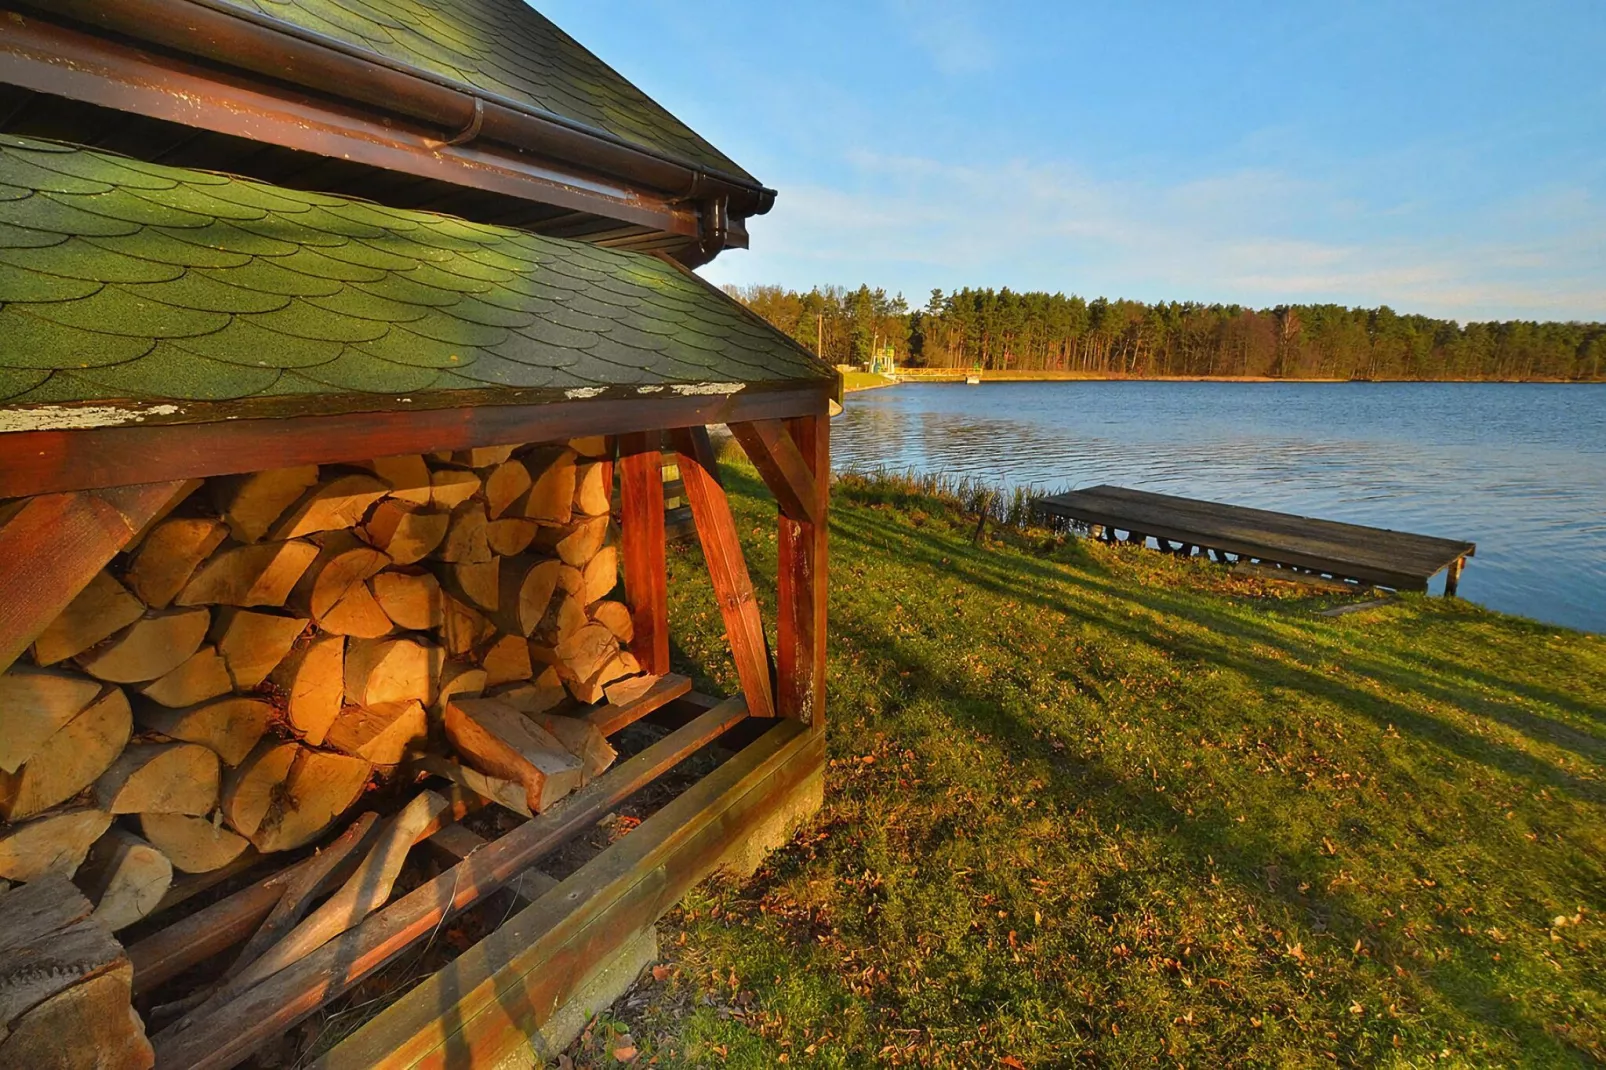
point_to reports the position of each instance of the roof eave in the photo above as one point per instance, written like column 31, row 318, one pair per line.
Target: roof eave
column 278, row 49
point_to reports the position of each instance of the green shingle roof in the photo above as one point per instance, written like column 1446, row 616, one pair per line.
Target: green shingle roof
column 503, row 47
column 127, row 281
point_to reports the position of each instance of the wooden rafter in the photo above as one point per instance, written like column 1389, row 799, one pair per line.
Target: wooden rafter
column 641, row 537
column 55, row 544
column 733, row 587
column 778, row 459
column 803, row 579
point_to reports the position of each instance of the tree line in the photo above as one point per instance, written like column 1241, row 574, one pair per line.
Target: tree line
column 1003, row 330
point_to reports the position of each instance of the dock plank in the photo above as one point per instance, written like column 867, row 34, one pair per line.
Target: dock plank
column 1398, row 559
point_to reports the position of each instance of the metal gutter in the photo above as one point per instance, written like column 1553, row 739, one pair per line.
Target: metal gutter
column 281, row 50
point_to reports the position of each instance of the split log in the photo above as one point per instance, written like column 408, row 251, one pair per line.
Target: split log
column 358, row 615
column 387, row 670
column 576, row 543
column 313, row 678
column 284, row 795
column 125, row 878
column 253, row 643
column 465, row 535
column 100, row 609
column 483, row 456
column 170, row 555
column 365, row 891
column 230, row 727
column 331, row 506
column 594, row 447
column 591, row 489
column 582, row 739
column 260, row 574
column 594, row 688
column 160, row 778
column 507, row 794
column 70, row 760
column 478, row 583
column 500, row 741
column 533, row 697
column 405, row 531
column 571, row 579
column 565, row 617
column 192, row 844
column 551, row 496
column 582, row 654
column 382, row 733
column 53, row 843
column 411, row 599
column 35, row 704
column 601, row 575
column 250, row 504
column 342, row 564
column 510, row 535
column 504, row 486
column 527, row 585
column 149, row 648
column 451, row 487
column 65, row 1002
column 505, row 660
column 177, row 498
column 615, row 616
column 407, row 475
column 462, row 627
column 201, row 677
column 457, row 678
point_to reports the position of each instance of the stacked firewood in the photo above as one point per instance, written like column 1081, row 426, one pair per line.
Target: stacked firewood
column 278, row 642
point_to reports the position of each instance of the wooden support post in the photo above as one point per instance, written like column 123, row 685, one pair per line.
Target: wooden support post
column 779, row 460
column 1452, row 578
column 801, row 551
column 53, row 547
column 733, row 588
column 641, row 535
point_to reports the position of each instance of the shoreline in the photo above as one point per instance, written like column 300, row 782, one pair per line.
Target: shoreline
column 854, row 382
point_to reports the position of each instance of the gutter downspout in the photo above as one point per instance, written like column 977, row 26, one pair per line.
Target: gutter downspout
column 315, row 61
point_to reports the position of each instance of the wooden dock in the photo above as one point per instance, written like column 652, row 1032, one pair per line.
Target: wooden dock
column 1396, row 559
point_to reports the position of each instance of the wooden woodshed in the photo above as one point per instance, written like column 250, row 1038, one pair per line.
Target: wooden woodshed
column 344, row 348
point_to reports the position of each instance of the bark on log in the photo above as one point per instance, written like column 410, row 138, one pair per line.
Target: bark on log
column 230, row 727
column 151, row 647
column 160, row 778
column 500, row 741
column 100, row 609
column 170, row 555
column 70, row 760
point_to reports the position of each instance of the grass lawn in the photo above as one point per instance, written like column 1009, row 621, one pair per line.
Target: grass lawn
column 1093, row 804
column 864, row 381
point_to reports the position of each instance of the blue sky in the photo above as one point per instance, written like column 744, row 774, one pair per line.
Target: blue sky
column 1444, row 158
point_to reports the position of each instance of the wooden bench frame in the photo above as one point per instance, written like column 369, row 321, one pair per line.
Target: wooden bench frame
column 88, row 493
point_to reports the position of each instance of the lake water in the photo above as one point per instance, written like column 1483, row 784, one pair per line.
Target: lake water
column 1519, row 469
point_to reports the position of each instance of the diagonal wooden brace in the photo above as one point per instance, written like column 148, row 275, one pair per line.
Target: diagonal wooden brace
column 733, row 587
column 53, row 546
column 778, row 459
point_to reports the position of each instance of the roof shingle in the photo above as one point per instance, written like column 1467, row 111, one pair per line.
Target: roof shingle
column 132, row 282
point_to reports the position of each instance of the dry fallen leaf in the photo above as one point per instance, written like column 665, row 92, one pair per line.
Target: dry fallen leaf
column 624, row 1055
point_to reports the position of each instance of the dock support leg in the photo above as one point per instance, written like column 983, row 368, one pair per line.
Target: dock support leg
column 1452, row 578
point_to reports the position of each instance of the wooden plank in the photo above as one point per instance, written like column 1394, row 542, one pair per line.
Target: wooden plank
column 790, row 478
column 482, row 1006
column 458, row 841
column 231, row 1032
column 40, row 462
column 614, row 716
column 733, row 587
column 55, row 544
column 803, row 582
column 641, row 537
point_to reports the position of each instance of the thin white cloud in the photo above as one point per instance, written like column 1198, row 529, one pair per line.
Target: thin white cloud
column 950, row 32
column 1254, row 236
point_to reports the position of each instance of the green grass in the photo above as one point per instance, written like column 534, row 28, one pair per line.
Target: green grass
column 1093, row 804
column 863, row 381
